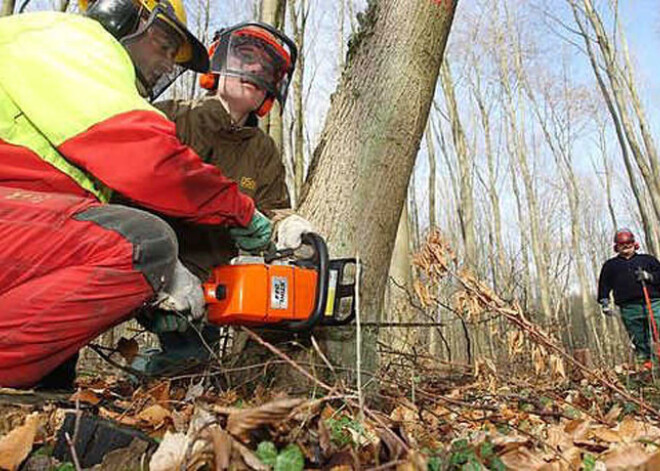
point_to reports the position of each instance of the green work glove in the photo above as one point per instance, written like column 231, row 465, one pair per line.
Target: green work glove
column 255, row 236
column 159, row 322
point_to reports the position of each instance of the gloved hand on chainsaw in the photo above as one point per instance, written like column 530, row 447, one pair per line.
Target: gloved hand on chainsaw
column 290, row 231
column 255, row 236
column 183, row 296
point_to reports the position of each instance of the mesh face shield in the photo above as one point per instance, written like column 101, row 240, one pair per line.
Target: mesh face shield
column 259, row 54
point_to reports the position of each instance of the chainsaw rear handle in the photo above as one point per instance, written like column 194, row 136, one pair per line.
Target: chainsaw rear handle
column 321, row 262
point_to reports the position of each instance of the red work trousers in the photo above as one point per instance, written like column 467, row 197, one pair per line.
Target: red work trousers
column 63, row 281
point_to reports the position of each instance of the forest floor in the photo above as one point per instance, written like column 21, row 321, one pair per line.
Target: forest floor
column 442, row 418
column 539, row 408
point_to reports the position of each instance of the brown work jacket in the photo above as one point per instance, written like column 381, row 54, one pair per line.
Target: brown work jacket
column 243, row 153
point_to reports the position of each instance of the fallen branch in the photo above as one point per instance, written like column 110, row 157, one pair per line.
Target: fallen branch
column 280, row 354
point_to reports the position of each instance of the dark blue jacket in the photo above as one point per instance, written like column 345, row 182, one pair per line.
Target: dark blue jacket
column 618, row 275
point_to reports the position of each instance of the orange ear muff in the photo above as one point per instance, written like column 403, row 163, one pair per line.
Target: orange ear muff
column 265, row 107
column 208, row 81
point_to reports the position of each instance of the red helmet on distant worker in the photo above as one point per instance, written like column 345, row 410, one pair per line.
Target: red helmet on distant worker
column 236, row 50
column 624, row 236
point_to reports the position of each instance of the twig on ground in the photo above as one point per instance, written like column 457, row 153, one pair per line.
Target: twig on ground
column 358, row 334
column 72, row 441
column 280, row 354
column 127, row 369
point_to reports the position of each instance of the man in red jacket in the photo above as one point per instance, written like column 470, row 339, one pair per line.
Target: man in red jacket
column 74, row 129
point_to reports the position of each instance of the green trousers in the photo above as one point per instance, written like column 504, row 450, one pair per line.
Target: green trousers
column 636, row 320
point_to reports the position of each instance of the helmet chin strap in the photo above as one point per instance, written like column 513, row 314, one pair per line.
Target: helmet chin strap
column 141, row 82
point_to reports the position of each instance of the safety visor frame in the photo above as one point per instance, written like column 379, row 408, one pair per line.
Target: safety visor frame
column 153, row 91
column 278, row 87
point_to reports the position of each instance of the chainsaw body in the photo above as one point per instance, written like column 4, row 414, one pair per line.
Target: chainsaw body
column 282, row 290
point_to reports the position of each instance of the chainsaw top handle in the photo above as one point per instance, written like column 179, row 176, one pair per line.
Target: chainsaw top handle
column 321, row 263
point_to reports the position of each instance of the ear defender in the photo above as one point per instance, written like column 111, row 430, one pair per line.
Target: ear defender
column 209, row 80
column 265, row 107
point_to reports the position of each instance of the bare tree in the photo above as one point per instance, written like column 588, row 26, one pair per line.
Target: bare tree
column 517, row 145
column 465, row 167
column 360, row 170
column 272, row 13
column 7, row 7
column 620, row 95
column 430, row 148
column 299, row 11
column 499, row 262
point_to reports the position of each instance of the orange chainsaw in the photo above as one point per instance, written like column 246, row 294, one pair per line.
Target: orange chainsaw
column 288, row 289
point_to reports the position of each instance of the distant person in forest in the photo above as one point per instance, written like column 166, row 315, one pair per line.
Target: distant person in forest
column 623, row 276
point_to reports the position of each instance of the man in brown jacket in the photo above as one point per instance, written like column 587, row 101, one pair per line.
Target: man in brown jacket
column 251, row 66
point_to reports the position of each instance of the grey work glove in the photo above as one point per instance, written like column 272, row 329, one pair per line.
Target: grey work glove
column 643, row 275
column 607, row 308
column 290, row 231
column 255, row 236
column 183, row 294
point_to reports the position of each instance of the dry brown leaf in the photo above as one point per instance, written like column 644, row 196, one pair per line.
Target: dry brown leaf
column 85, row 395
column 170, row 452
column 128, row 349
column 652, row 463
column 181, row 418
column 325, row 442
column 222, row 444
column 161, row 393
column 154, row 415
column 605, row 435
column 573, row 457
column 631, row 430
column 613, row 414
column 507, row 443
column 538, row 360
column 515, row 341
column 558, row 439
column 557, row 366
column 240, row 422
column 249, row 458
column 627, row 457
column 17, row 444
column 122, row 419
column 578, row 428
column 521, row 459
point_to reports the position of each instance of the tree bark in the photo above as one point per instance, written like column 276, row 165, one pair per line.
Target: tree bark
column 299, row 21
column 272, row 13
column 465, row 169
column 430, row 148
column 360, row 171
column 7, row 7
